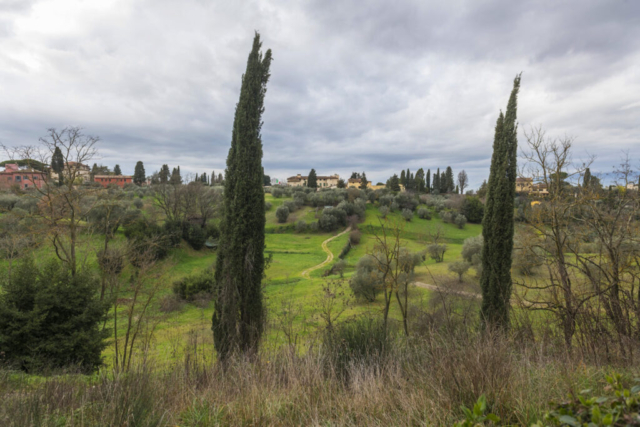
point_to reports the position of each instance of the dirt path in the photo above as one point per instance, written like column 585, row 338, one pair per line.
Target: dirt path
column 307, row 272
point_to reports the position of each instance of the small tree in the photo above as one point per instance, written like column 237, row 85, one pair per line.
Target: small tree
column 459, row 268
column 461, row 221
column 463, row 181
column 57, row 164
column 282, row 213
column 50, row 318
column 139, row 175
column 117, row 170
column 407, row 214
column 393, row 183
column 436, row 252
column 341, row 183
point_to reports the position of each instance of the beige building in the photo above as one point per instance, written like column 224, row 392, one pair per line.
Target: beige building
column 323, row 181
column 81, row 171
column 526, row 186
column 355, row 183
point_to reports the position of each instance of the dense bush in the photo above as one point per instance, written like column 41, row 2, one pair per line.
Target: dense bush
column 213, row 232
column 28, row 203
column 8, row 201
column 51, row 319
column 339, row 214
column 447, row 217
column 282, row 213
column 301, row 226
column 189, row 287
column 407, row 201
column 424, row 213
column 366, row 283
column 345, row 250
column 384, row 211
column 195, row 236
column 394, row 207
column 472, row 249
column 138, row 203
column 407, row 214
column 277, row 192
column 473, row 209
column 327, row 222
column 460, row 221
column 314, row 226
column 386, row 200
column 267, row 206
column 354, row 237
column 148, row 236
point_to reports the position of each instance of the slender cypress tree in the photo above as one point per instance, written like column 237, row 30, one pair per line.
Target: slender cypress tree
column 57, row 164
column 436, row 182
column 451, row 185
column 586, row 181
column 419, row 180
column 139, row 175
column 402, row 178
column 428, row 181
column 498, row 221
column 239, row 313
column 312, row 180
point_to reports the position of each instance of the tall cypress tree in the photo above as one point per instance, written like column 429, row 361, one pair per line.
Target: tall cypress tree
column 419, row 180
column 164, row 174
column 139, row 175
column 312, row 180
column 449, row 183
column 402, row 178
column 363, row 181
column 586, row 182
column 498, row 222
column 436, row 182
column 428, row 181
column 57, row 164
column 239, row 313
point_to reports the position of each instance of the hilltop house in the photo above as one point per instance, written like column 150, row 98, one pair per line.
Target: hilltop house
column 22, row 176
column 81, row 172
column 355, row 183
column 119, row 180
column 323, row 181
column 526, row 186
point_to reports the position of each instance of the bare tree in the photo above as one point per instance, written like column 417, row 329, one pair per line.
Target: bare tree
column 463, row 181
column 63, row 208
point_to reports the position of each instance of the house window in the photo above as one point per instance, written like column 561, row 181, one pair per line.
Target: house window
column 18, row 179
column 26, row 185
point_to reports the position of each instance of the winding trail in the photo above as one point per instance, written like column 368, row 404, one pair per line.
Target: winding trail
column 307, row 272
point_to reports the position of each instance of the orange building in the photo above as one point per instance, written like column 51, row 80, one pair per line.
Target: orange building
column 21, row 176
column 119, row 180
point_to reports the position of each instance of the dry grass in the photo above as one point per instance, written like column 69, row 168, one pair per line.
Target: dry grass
column 422, row 381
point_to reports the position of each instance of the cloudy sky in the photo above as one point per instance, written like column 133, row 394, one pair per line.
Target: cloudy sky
column 376, row 86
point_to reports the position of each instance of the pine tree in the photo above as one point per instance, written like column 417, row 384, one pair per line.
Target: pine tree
column 139, row 175
column 312, row 180
column 117, row 170
column 57, row 164
column 341, row 183
column 428, row 181
column 239, row 312
column 363, row 181
column 498, row 222
column 175, row 176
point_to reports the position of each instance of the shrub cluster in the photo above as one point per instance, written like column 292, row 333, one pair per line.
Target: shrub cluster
column 192, row 286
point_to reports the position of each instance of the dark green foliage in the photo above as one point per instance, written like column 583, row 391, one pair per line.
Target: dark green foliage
column 498, row 223
column 363, row 181
column 403, row 178
column 195, row 236
column 139, row 175
column 57, row 164
column 473, row 209
column 407, row 201
column 164, row 174
column 176, row 178
column 345, row 250
column 619, row 407
column 117, row 170
column 419, row 181
column 50, row 319
column 393, row 183
column 239, row 315
column 266, row 180
column 327, row 222
column 436, row 182
column 146, row 235
column 191, row 286
column 450, row 185
column 428, row 181
column 341, row 183
column 312, row 181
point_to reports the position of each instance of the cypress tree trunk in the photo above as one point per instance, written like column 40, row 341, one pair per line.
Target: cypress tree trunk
column 238, row 318
column 498, row 222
